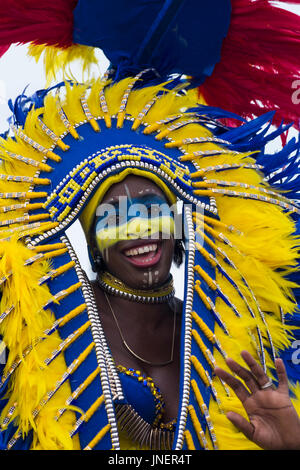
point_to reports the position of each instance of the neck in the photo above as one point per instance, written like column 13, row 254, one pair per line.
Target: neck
column 146, row 315
column 159, row 295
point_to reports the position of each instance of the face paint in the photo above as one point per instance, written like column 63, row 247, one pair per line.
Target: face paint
column 145, row 217
column 150, row 278
column 128, row 193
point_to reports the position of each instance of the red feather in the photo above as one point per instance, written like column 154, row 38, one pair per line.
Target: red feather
column 3, row 49
column 48, row 22
column 259, row 67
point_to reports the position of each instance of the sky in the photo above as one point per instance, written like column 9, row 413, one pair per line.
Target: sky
column 18, row 71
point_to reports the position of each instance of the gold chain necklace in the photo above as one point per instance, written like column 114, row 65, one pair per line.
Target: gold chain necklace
column 132, row 352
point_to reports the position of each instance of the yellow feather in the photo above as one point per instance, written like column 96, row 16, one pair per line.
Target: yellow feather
column 60, row 60
column 265, row 253
column 71, row 105
column 93, row 99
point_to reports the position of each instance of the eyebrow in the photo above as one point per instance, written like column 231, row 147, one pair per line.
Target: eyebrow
column 115, row 199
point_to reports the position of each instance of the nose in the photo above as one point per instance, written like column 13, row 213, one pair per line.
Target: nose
column 139, row 228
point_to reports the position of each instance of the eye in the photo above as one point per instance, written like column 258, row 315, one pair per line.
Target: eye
column 112, row 219
column 154, row 210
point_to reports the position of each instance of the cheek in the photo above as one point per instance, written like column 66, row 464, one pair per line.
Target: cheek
column 135, row 227
column 109, row 255
column 169, row 251
column 104, row 246
column 105, row 239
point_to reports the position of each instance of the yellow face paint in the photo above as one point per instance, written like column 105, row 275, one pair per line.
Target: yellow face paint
column 135, row 228
column 120, row 222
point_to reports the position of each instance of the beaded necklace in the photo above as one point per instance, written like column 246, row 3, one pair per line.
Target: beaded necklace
column 115, row 286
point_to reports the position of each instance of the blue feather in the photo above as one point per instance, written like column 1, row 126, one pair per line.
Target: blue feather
column 4, row 134
column 281, row 158
column 249, row 129
column 291, row 355
column 163, row 34
column 214, row 113
column 23, row 104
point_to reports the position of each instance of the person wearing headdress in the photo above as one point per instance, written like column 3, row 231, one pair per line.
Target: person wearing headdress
column 182, row 116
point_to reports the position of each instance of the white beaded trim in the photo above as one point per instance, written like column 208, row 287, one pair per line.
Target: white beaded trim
column 109, row 376
column 188, row 331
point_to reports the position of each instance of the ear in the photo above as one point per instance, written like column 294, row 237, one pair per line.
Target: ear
column 178, row 252
column 96, row 260
column 92, row 260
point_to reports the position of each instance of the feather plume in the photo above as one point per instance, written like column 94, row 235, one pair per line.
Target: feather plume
column 259, row 64
column 45, row 22
column 58, row 60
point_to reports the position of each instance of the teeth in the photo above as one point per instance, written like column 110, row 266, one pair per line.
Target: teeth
column 141, row 249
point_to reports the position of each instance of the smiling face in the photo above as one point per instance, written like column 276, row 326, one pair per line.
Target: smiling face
column 134, row 233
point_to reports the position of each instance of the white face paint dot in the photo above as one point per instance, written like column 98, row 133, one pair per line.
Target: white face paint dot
column 128, row 193
column 150, row 278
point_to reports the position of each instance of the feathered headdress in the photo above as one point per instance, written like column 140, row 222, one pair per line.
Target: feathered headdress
column 60, row 388
column 242, row 53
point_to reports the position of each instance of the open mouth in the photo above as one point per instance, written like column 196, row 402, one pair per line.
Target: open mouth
column 144, row 255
